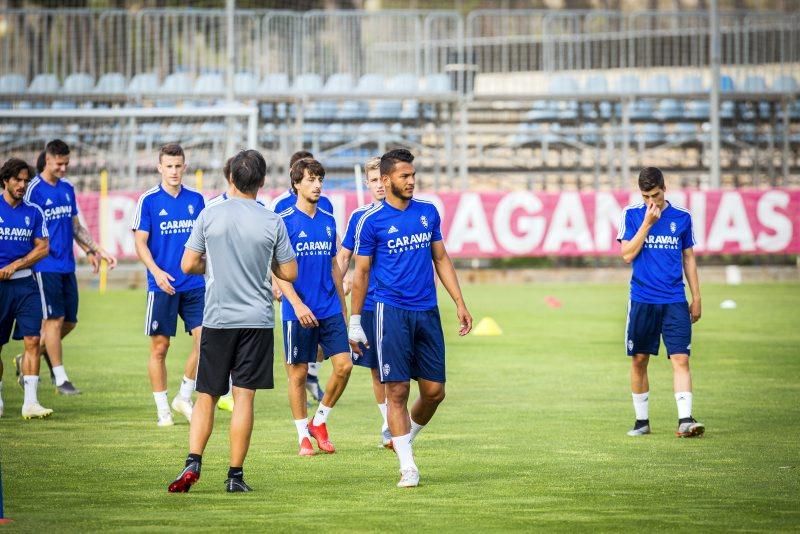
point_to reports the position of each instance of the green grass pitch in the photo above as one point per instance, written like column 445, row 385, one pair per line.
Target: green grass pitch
column 530, row 437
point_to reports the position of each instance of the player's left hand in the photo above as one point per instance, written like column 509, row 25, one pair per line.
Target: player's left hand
column 7, row 271
column 695, row 309
column 104, row 255
column 465, row 321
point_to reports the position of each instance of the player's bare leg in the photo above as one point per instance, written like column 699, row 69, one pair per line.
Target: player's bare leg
column 431, row 395
column 400, row 426
column 682, row 385
column 53, row 331
column 241, row 424
column 157, row 371
column 297, row 373
column 380, row 398
column 30, row 379
column 202, row 423
column 317, row 427
column 640, row 392
column 182, row 403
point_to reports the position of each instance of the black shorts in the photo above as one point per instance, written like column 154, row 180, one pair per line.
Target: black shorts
column 243, row 353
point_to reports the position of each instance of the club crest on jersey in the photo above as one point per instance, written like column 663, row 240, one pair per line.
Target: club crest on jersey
column 424, row 221
column 294, row 352
column 328, row 229
column 191, row 209
column 630, row 344
column 154, row 325
column 673, row 227
column 27, row 221
column 386, row 369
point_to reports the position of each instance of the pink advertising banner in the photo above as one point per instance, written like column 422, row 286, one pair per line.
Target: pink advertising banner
column 524, row 223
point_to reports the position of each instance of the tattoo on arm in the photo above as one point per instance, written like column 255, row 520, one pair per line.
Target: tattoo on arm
column 82, row 235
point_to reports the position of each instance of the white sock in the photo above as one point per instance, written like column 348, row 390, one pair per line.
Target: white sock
column 187, row 388
column 302, row 429
column 31, row 384
column 415, row 429
column 322, row 415
column 684, row 401
column 382, row 408
column 162, row 404
column 402, row 446
column 640, row 405
column 230, row 387
column 60, row 374
column 313, row 369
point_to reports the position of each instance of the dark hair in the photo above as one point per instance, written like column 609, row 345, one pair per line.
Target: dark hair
column 171, row 149
column 389, row 159
column 12, row 168
column 296, row 173
column 226, row 170
column 300, row 154
column 57, row 147
column 41, row 161
column 650, row 178
column 248, row 170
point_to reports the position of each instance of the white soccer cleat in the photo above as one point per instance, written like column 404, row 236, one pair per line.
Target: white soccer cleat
column 35, row 411
column 165, row 420
column 183, row 406
column 409, row 478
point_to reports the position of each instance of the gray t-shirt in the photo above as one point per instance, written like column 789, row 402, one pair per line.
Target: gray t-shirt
column 239, row 238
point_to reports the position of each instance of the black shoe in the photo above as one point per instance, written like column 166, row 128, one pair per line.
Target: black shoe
column 67, row 389
column 236, row 485
column 188, row 477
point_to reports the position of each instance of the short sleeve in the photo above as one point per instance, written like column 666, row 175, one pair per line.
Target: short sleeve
column 687, row 238
column 141, row 217
column 39, row 225
column 627, row 228
column 283, row 252
column 349, row 240
column 436, row 227
column 365, row 237
column 197, row 239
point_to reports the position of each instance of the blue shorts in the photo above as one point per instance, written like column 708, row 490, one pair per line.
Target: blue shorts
column 60, row 292
column 20, row 301
column 369, row 357
column 300, row 344
column 163, row 310
column 647, row 323
column 410, row 344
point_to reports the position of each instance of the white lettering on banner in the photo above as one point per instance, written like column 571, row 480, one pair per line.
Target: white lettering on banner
column 731, row 224
column 607, row 214
column 470, row 226
column 530, row 227
column 568, row 225
column 338, row 202
column 770, row 218
column 120, row 213
column 698, row 208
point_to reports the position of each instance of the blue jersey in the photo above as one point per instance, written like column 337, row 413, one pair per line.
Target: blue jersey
column 288, row 199
column 19, row 226
column 314, row 244
column 349, row 242
column 657, row 276
column 168, row 221
column 59, row 206
column 400, row 245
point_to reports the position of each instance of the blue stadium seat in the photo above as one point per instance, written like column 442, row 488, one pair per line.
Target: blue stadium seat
column 596, row 84
column 371, row 83
column 111, row 83
column 627, row 84
column 340, row 82
column 177, row 83
column 669, row 109
column 563, row 85
column 79, row 83
column 44, row 83
column 591, row 134
column 726, row 83
column 754, row 84
column 542, row 110
column 652, row 133
column 658, row 84
column 209, row 84
column 691, row 84
column 144, row 83
column 403, row 83
column 307, row 83
column 436, row 83
column 12, row 84
column 785, row 84
column 277, row 82
column 683, row 133
column 334, row 134
column 245, row 83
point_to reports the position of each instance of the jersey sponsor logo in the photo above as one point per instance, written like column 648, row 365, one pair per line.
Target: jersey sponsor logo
column 673, row 227
column 662, row 241
column 163, row 212
column 58, row 212
column 1, row 220
column 313, row 248
column 48, row 202
column 409, row 242
column 393, row 230
column 181, row 226
column 302, row 234
column 328, row 229
column 16, row 234
column 386, row 369
column 424, row 221
column 191, row 209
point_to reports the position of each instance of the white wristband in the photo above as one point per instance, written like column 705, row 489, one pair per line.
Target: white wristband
column 355, row 320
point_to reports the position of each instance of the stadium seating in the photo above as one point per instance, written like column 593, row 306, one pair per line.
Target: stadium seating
column 144, row 83
column 245, row 83
column 209, row 84
column 12, row 84
column 78, row 83
column 178, row 83
column 274, row 83
column 45, row 83
column 112, row 83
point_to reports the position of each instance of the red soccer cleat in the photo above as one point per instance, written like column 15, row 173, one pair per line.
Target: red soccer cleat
column 320, row 433
column 188, row 477
column 305, row 448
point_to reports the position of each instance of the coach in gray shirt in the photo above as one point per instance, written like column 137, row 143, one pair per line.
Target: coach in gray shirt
column 235, row 243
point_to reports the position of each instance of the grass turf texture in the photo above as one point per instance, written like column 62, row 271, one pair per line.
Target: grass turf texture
column 531, row 436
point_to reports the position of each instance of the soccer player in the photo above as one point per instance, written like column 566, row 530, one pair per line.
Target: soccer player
column 163, row 219
column 313, row 306
column 236, row 243
column 372, row 179
column 23, row 242
column 280, row 204
column 395, row 242
column 657, row 238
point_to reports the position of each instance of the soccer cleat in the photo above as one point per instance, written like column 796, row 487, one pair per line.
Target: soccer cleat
column 35, row 411
column 409, row 478
column 67, row 389
column 183, row 406
column 320, row 433
column 236, row 485
column 18, row 369
column 314, row 389
column 225, row 403
column 165, row 420
column 305, row 448
column 188, row 477
column 639, row 429
column 690, row 429
column 386, row 439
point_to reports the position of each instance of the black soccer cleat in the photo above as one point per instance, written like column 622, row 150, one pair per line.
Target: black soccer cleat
column 236, row 485
column 67, row 389
column 188, row 477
